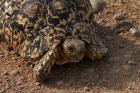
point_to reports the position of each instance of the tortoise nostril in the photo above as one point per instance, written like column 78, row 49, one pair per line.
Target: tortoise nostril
column 71, row 49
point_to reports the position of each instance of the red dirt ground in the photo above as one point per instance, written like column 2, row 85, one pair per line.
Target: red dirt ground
column 118, row 72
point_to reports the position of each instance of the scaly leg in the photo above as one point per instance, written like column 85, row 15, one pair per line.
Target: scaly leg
column 96, row 49
column 43, row 67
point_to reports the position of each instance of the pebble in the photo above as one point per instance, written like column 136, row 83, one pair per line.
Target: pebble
column 131, row 62
column 132, row 30
column 130, row 87
column 37, row 83
column 7, row 86
column 1, row 54
column 86, row 89
column 19, row 83
column 135, row 32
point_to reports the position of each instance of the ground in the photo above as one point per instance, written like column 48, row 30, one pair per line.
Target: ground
column 117, row 72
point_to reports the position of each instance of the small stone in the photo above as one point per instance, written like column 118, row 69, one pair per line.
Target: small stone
column 7, row 86
column 1, row 55
column 86, row 89
column 131, row 62
column 135, row 32
column 19, row 83
column 132, row 30
column 31, row 66
column 37, row 84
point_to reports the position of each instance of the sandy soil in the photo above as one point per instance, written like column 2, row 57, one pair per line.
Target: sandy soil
column 118, row 72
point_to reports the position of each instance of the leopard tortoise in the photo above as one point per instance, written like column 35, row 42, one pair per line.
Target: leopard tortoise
column 48, row 32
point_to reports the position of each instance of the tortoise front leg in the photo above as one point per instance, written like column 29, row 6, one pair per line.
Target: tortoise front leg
column 96, row 49
column 44, row 65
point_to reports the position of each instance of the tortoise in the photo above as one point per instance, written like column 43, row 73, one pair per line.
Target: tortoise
column 48, row 32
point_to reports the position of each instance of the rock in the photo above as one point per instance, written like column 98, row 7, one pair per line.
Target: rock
column 19, row 83
column 7, row 86
column 86, row 89
column 120, row 16
column 132, row 30
column 135, row 32
column 37, row 83
column 98, row 5
column 131, row 63
column 130, row 87
column 1, row 54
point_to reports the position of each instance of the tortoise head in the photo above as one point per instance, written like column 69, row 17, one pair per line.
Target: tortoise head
column 73, row 49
